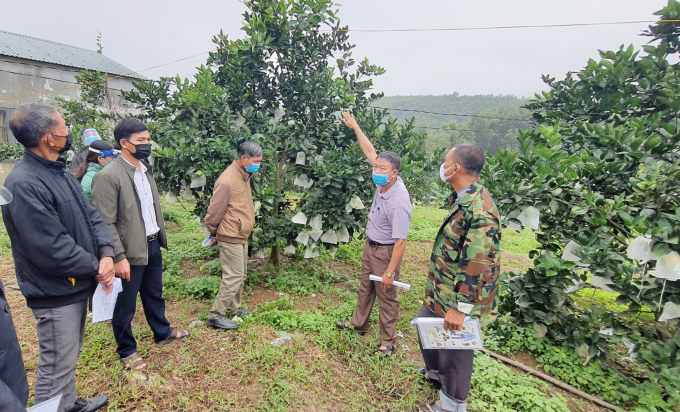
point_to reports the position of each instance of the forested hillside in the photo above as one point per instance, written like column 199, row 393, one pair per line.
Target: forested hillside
column 487, row 120
column 448, row 103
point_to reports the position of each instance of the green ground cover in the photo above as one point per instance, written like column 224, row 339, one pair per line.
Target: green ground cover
column 321, row 368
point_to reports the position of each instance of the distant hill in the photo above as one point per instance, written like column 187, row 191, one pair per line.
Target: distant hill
column 451, row 103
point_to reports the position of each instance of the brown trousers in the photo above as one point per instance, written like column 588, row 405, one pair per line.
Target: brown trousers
column 374, row 261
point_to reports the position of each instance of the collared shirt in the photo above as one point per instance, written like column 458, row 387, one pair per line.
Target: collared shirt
column 459, row 195
column 145, row 199
column 390, row 214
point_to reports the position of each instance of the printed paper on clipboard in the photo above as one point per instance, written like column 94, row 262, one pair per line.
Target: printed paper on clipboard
column 433, row 335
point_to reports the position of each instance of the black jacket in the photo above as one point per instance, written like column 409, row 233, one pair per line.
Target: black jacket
column 79, row 158
column 13, row 384
column 57, row 237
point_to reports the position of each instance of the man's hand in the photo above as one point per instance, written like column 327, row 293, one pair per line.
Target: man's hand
column 386, row 282
column 123, row 269
column 106, row 272
column 349, row 121
column 453, row 321
column 213, row 243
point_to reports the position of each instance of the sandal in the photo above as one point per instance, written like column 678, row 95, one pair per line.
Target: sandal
column 134, row 362
column 435, row 382
column 387, row 352
column 343, row 325
column 173, row 337
column 433, row 407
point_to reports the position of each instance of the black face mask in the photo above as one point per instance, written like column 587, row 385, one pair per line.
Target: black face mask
column 143, row 151
column 67, row 146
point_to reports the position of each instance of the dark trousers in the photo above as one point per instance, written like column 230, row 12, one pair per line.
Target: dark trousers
column 452, row 368
column 147, row 280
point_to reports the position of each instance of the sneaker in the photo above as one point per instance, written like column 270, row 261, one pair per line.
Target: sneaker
column 89, row 405
column 222, row 323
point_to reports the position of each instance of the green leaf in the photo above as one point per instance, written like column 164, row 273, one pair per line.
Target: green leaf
column 543, row 151
column 579, row 210
column 652, row 142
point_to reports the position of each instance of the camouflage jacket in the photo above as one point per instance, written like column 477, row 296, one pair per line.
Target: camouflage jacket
column 465, row 261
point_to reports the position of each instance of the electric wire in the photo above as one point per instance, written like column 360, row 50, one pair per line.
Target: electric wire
column 522, row 26
column 450, row 114
column 355, row 30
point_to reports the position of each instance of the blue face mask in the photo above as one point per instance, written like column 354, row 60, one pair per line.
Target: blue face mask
column 253, row 168
column 108, row 163
column 381, row 180
column 89, row 140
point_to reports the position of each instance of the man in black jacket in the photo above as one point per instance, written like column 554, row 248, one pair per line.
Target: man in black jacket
column 13, row 384
column 61, row 249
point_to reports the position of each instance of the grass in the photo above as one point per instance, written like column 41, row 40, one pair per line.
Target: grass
column 321, row 368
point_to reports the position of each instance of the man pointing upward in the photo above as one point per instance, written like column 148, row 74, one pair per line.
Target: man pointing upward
column 386, row 234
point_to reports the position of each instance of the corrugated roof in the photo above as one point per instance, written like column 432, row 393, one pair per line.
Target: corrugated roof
column 33, row 48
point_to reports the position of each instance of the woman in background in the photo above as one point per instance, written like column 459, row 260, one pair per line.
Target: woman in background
column 99, row 154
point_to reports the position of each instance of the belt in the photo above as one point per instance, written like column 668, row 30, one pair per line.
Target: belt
column 372, row 243
column 151, row 238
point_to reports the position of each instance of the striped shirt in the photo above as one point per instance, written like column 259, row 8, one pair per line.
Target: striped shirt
column 390, row 214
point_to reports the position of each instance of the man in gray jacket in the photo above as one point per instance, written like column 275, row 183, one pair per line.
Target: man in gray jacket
column 126, row 196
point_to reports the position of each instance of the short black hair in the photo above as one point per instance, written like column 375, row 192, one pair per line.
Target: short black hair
column 250, row 149
column 30, row 122
column 393, row 158
column 127, row 127
column 470, row 157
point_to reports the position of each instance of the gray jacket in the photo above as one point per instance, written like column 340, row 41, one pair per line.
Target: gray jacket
column 115, row 196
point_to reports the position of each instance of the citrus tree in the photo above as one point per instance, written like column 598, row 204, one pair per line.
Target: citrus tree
column 598, row 178
column 284, row 85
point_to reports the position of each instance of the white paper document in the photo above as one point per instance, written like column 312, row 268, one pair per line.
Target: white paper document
column 395, row 283
column 434, row 336
column 102, row 304
column 51, row 405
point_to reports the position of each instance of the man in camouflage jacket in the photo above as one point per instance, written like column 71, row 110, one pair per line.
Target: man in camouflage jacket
column 463, row 274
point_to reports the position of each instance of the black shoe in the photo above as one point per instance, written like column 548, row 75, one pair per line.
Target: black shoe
column 89, row 405
column 243, row 312
column 222, row 323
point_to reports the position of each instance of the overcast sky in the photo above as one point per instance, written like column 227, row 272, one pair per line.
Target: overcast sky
column 141, row 34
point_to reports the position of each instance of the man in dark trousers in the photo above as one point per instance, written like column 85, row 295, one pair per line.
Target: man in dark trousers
column 61, row 249
column 125, row 194
column 13, row 384
column 463, row 274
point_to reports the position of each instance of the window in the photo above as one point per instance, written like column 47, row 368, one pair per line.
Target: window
column 5, row 133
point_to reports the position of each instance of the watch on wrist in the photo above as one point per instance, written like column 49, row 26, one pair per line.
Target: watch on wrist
column 389, row 274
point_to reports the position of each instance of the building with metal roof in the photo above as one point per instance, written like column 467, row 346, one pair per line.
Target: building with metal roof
column 39, row 70
column 47, row 51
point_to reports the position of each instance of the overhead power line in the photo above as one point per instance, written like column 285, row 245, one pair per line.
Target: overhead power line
column 457, row 130
column 524, row 26
column 450, row 114
column 358, row 30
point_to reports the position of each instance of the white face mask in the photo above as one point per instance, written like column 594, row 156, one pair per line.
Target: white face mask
column 443, row 172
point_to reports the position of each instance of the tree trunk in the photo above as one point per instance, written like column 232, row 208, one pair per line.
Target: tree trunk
column 275, row 257
column 280, row 160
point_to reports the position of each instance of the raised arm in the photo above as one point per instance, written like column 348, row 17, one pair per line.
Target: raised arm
column 366, row 145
